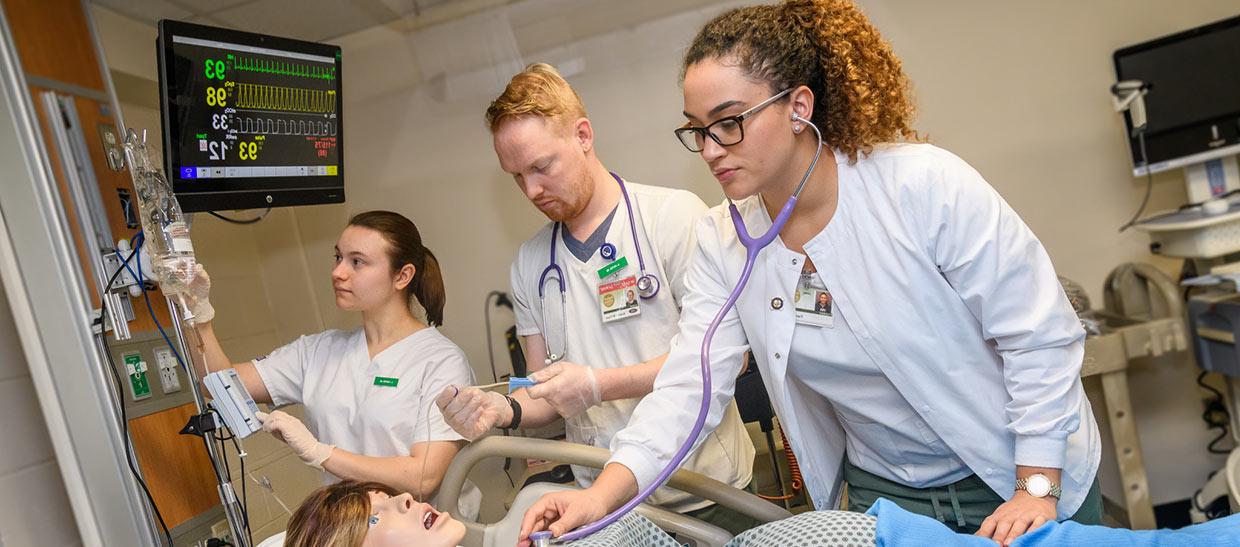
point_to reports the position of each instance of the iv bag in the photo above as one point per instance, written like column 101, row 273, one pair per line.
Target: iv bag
column 163, row 224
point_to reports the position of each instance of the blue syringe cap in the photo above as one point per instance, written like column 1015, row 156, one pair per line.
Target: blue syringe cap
column 517, row 382
column 540, row 535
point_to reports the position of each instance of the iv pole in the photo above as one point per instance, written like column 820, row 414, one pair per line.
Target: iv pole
column 204, row 423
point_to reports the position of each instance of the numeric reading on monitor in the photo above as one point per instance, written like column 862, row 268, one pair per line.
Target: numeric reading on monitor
column 248, row 112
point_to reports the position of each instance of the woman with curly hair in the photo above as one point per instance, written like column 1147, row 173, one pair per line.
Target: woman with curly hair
column 946, row 376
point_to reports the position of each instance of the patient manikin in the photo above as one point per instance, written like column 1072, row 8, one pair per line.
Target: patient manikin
column 369, row 514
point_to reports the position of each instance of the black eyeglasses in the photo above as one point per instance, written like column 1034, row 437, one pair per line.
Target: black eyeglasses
column 726, row 131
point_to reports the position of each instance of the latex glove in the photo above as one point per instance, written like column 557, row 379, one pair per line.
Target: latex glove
column 568, row 387
column 195, row 293
column 472, row 412
column 292, row 432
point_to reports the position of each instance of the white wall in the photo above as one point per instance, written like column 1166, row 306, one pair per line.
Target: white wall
column 34, row 507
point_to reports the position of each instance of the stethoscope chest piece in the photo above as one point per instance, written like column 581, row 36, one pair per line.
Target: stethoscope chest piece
column 647, row 286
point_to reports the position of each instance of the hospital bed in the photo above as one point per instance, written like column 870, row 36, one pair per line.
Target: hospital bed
column 854, row 528
column 504, row 532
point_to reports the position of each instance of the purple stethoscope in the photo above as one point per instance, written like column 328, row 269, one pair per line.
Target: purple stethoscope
column 753, row 245
column 647, row 283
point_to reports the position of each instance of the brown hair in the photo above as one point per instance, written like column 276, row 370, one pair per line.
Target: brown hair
column 337, row 515
column 539, row 90
column 862, row 97
column 405, row 247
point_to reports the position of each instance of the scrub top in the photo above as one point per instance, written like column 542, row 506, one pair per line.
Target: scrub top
column 665, row 219
column 376, row 407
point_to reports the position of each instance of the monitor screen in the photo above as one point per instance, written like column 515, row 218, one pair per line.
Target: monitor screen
column 1193, row 103
column 249, row 120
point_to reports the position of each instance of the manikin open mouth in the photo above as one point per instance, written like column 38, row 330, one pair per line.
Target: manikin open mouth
column 429, row 519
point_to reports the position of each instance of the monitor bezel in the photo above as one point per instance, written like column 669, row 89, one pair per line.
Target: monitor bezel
column 248, row 192
column 1176, row 135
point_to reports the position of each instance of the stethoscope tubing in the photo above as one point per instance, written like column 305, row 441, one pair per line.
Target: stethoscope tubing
column 753, row 245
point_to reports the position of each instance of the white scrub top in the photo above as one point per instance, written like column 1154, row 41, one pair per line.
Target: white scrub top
column 348, row 399
column 665, row 225
column 948, row 292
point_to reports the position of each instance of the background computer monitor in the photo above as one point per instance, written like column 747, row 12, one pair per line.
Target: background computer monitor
column 1193, row 103
column 249, row 121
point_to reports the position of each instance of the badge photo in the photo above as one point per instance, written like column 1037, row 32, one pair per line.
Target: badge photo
column 618, row 299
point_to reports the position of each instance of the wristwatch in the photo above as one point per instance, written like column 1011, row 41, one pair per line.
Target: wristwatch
column 516, row 414
column 1039, row 486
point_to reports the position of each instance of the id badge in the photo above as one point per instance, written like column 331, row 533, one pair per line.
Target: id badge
column 618, row 299
column 813, row 302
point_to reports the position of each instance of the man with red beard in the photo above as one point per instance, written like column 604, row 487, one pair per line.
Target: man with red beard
column 593, row 355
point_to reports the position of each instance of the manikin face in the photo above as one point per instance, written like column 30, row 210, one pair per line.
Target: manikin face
column 362, row 278
column 399, row 521
column 547, row 157
column 714, row 90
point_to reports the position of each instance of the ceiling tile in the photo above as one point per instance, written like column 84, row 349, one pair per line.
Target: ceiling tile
column 147, row 11
column 313, row 20
column 208, row 6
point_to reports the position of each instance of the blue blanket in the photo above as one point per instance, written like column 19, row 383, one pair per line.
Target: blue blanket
column 899, row 527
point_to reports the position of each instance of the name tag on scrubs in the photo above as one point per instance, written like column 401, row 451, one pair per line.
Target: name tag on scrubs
column 813, row 302
column 386, row 382
column 618, row 299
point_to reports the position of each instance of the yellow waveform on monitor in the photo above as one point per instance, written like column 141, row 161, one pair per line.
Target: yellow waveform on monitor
column 289, row 99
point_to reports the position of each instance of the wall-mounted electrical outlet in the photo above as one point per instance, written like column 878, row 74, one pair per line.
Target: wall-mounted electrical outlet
column 168, row 376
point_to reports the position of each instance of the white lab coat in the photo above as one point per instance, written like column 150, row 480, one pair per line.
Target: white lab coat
column 953, row 297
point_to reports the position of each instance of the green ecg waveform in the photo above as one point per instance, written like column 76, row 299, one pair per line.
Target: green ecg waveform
column 283, row 68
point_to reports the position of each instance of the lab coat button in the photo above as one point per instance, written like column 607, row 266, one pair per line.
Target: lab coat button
column 794, row 261
column 926, row 408
column 989, row 471
column 777, row 303
column 777, row 356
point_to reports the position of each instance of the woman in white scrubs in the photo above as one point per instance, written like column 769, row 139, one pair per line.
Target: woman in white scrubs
column 943, row 371
column 369, row 392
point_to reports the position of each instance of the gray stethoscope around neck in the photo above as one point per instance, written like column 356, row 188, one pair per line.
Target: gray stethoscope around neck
column 647, row 283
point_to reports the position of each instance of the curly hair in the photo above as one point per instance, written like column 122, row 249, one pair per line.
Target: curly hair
column 539, row 90
column 861, row 95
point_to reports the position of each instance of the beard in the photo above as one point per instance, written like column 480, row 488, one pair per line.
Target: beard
column 572, row 204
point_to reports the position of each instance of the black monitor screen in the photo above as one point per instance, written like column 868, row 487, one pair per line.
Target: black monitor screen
column 249, row 120
column 1191, row 80
column 1193, row 103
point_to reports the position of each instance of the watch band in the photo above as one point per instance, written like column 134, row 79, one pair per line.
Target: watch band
column 1056, row 490
column 516, row 414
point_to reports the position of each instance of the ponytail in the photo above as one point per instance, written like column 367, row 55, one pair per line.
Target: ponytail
column 405, row 247
column 427, row 287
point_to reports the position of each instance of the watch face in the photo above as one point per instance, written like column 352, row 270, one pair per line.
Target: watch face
column 1038, row 486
